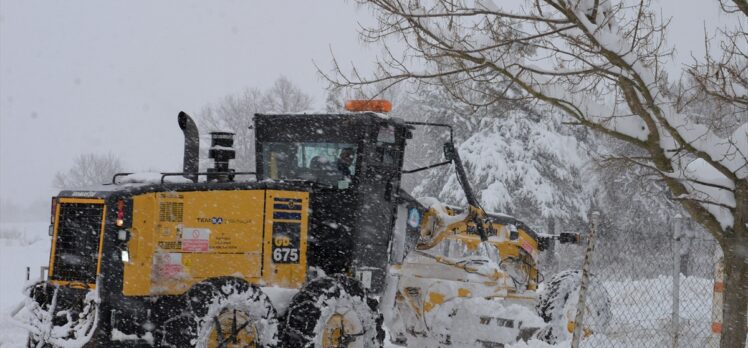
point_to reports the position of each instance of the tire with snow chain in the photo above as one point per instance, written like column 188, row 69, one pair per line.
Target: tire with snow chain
column 333, row 312
column 60, row 316
column 558, row 303
column 224, row 312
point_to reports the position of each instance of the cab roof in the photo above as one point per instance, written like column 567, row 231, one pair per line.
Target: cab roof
column 366, row 117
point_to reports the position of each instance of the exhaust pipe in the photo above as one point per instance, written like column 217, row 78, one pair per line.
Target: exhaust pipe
column 191, row 162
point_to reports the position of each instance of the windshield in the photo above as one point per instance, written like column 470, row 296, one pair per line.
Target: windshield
column 332, row 164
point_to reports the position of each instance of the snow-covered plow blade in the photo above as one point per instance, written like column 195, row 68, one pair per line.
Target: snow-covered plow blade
column 473, row 303
column 462, row 288
column 467, row 303
column 464, row 322
column 57, row 316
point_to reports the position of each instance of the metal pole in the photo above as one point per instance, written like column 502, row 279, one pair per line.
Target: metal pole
column 584, row 282
column 550, row 253
column 677, row 226
column 717, row 303
column 28, row 273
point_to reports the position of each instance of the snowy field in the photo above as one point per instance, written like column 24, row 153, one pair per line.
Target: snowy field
column 21, row 245
column 641, row 312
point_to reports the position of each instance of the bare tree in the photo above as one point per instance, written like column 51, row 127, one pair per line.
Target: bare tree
column 601, row 63
column 88, row 169
column 285, row 97
column 721, row 81
column 235, row 112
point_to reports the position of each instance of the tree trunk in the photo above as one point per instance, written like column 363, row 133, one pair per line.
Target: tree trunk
column 735, row 296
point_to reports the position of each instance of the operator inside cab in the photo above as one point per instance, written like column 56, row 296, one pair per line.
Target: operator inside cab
column 330, row 164
column 345, row 162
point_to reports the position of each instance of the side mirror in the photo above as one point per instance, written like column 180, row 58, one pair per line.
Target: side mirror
column 449, row 151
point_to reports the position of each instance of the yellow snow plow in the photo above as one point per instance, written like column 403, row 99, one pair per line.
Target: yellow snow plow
column 317, row 248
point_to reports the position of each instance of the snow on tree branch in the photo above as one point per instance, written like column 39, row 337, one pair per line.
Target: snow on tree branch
column 599, row 61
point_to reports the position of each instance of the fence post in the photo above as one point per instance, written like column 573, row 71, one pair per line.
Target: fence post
column 717, row 302
column 550, row 252
column 677, row 234
column 584, row 282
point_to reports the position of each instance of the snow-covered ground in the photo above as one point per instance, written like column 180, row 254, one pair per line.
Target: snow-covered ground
column 21, row 245
column 640, row 314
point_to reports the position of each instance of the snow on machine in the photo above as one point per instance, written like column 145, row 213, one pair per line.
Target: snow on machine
column 472, row 279
column 317, row 248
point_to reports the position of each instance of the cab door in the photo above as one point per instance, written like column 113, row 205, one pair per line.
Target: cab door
column 377, row 197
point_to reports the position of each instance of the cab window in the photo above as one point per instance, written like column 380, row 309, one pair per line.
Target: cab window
column 331, row 164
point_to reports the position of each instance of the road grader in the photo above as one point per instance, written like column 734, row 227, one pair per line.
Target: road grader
column 319, row 247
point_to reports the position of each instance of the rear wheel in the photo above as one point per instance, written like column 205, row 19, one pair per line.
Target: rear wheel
column 232, row 328
column 223, row 313
column 333, row 312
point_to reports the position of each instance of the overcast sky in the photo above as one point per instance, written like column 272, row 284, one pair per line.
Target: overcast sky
column 111, row 76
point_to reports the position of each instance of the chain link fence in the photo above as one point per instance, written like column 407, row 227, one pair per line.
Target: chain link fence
column 659, row 289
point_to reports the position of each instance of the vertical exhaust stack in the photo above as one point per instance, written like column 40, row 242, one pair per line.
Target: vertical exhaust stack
column 191, row 162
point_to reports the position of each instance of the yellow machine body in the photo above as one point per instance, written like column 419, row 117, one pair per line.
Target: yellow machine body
column 178, row 239
column 181, row 238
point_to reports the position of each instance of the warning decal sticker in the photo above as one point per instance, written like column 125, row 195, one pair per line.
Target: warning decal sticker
column 167, row 265
column 195, row 239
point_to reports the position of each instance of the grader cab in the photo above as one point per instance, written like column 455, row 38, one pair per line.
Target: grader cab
column 317, row 248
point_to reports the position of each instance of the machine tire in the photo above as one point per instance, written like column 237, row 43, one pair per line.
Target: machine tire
column 50, row 302
column 333, row 302
column 211, row 302
column 559, row 299
column 32, row 343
